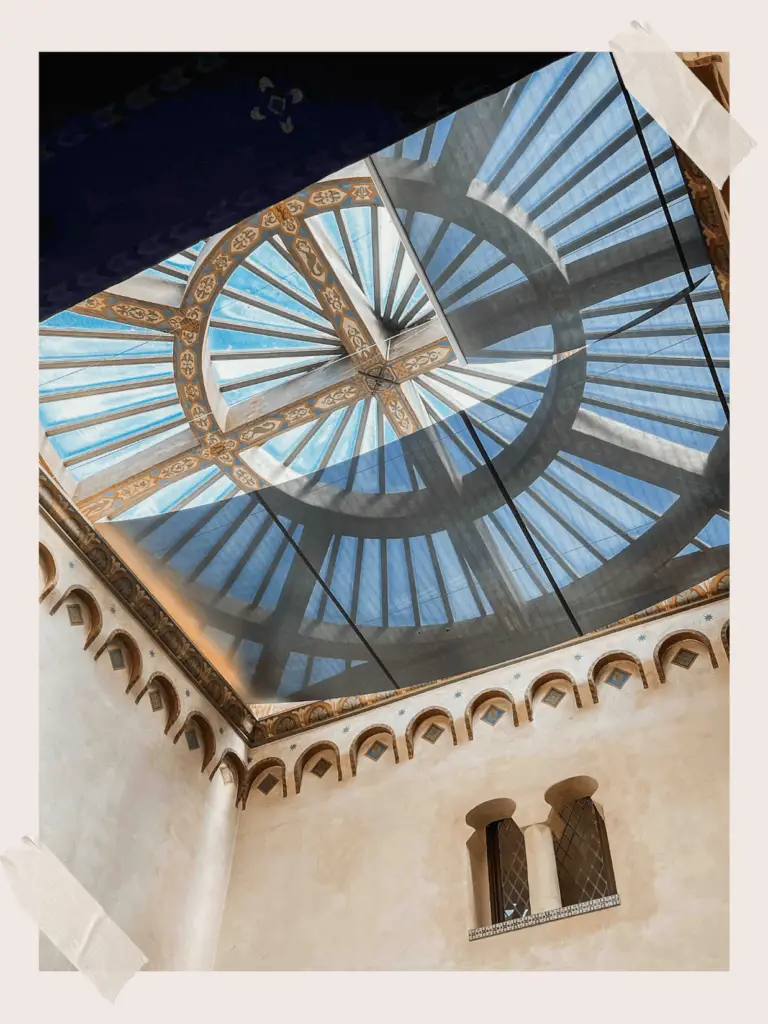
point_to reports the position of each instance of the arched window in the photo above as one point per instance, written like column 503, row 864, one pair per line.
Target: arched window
column 584, row 867
column 507, row 871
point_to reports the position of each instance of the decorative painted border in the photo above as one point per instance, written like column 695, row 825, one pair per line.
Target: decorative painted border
column 548, row 915
column 108, row 566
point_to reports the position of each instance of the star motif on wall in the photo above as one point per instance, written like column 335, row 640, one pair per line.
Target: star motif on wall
column 345, row 729
column 293, row 746
column 577, row 657
column 401, row 711
column 707, row 618
column 221, row 731
column 112, row 609
column 517, row 675
column 641, row 638
column 457, row 694
column 187, row 692
column 151, row 654
column 71, row 565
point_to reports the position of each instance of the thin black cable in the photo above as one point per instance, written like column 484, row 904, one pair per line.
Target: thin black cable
column 329, row 593
column 675, row 239
column 520, row 521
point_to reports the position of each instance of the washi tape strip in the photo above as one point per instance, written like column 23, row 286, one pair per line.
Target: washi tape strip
column 680, row 103
column 71, row 918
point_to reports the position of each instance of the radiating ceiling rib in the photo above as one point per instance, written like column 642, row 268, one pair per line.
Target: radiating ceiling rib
column 652, row 414
column 357, row 578
column 411, row 581
column 277, row 353
column 397, row 267
column 106, row 389
column 641, row 305
column 242, row 561
column 541, row 118
column 659, row 389
column 492, row 403
column 561, row 148
column 170, row 271
column 622, row 220
column 348, row 249
column 381, row 448
column 104, row 449
column 265, row 378
column 303, row 441
column 375, row 247
column 272, row 332
column 585, row 169
column 476, row 282
column 679, row 331
column 335, row 545
column 88, row 362
column 196, row 491
column 413, row 284
column 275, row 561
column 330, row 448
column 570, row 527
column 248, row 507
column 532, row 569
column 104, row 334
column 285, row 314
column 384, row 582
column 426, row 143
column 440, row 580
column 358, row 443
column 280, row 285
column 471, row 582
column 607, row 192
column 108, row 417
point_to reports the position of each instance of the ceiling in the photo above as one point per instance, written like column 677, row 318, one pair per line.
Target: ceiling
column 452, row 405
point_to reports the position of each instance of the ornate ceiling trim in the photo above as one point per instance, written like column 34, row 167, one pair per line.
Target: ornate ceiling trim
column 109, row 567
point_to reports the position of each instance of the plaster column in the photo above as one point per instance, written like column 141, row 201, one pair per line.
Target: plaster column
column 543, row 884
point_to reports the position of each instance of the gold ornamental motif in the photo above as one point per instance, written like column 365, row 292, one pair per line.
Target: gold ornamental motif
column 286, row 219
column 334, row 300
column 297, row 414
column 205, row 287
column 244, row 239
column 222, row 262
column 342, row 395
column 327, row 197
column 96, row 303
column 309, row 258
column 247, row 480
column 179, row 468
column 200, row 417
column 260, row 431
column 134, row 487
column 362, row 193
column 94, row 508
column 218, row 448
column 139, row 314
column 191, row 391
column 188, row 364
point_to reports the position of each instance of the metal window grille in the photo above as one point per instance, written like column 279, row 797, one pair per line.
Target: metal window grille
column 507, row 871
column 584, row 867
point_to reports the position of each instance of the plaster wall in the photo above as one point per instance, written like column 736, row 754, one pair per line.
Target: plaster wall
column 126, row 810
column 373, row 872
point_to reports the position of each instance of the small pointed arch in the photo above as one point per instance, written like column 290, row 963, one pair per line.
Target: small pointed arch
column 680, row 635
column 126, row 641
column 600, row 663
column 367, row 734
column 725, row 638
column 48, row 572
column 77, row 594
column 553, row 676
column 481, row 698
column 200, row 723
column 422, row 716
column 236, row 766
column 170, row 697
column 258, row 769
column 309, row 753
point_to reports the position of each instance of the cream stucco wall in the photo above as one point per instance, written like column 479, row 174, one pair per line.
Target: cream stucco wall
column 126, row 810
column 373, row 872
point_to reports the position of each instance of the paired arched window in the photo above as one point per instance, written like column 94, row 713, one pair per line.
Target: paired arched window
column 582, row 854
column 507, row 871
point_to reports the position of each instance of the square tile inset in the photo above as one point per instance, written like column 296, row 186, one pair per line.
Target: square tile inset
column 320, row 767
column 492, row 714
column 267, row 784
column 376, row 750
column 75, row 613
column 553, row 696
column 226, row 773
column 433, row 733
column 617, row 678
column 156, row 700
column 116, row 657
column 685, row 658
column 192, row 741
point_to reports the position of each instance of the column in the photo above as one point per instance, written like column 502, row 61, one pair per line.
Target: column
column 543, row 884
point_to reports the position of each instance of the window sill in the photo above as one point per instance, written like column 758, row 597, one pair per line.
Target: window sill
column 548, row 915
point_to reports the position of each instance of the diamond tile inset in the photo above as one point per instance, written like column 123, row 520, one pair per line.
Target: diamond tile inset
column 192, row 741
column 492, row 714
column 267, row 784
column 617, row 678
column 156, row 700
column 685, row 658
column 433, row 733
column 116, row 657
column 226, row 773
column 376, row 750
column 320, row 767
column 553, row 696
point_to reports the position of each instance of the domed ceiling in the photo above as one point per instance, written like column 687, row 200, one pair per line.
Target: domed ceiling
column 456, row 404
